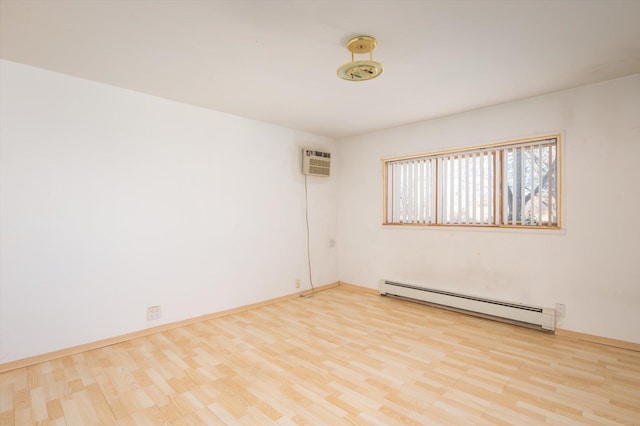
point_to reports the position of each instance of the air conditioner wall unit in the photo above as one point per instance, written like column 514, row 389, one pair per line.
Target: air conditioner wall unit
column 316, row 163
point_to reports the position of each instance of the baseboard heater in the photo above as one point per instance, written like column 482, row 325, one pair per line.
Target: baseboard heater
column 537, row 317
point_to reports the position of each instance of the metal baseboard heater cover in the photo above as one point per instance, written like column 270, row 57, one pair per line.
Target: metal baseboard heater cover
column 544, row 318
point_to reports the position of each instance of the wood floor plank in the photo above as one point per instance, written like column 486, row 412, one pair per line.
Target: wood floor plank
column 342, row 356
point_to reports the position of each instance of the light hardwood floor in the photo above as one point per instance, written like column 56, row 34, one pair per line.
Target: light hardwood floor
column 343, row 356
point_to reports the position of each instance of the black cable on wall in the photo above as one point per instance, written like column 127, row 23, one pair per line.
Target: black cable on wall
column 306, row 216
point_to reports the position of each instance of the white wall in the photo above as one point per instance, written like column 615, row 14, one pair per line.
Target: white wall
column 592, row 265
column 113, row 201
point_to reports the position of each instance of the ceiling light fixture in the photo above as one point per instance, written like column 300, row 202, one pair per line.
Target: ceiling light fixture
column 361, row 70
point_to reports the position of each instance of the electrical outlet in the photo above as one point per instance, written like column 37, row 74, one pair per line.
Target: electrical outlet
column 332, row 243
column 561, row 310
column 297, row 282
column 153, row 313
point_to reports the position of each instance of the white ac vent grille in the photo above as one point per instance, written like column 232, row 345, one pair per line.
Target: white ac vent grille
column 316, row 163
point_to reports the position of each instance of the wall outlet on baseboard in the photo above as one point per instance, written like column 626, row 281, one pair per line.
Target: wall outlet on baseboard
column 561, row 310
column 153, row 313
column 297, row 282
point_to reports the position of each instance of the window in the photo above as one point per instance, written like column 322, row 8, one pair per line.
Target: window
column 507, row 184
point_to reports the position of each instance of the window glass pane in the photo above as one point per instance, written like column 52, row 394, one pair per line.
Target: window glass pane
column 530, row 184
column 468, row 187
column 411, row 192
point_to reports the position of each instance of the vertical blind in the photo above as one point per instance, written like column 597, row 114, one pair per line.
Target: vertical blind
column 411, row 184
column 507, row 184
column 530, row 184
column 467, row 192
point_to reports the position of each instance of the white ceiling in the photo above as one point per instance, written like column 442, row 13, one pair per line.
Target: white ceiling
column 276, row 61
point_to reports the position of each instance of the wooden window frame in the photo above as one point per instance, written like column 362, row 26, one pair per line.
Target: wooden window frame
column 497, row 184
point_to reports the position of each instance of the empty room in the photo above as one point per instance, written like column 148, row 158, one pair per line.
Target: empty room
column 319, row 212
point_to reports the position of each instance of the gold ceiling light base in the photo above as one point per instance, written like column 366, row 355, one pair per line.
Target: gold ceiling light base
column 361, row 70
